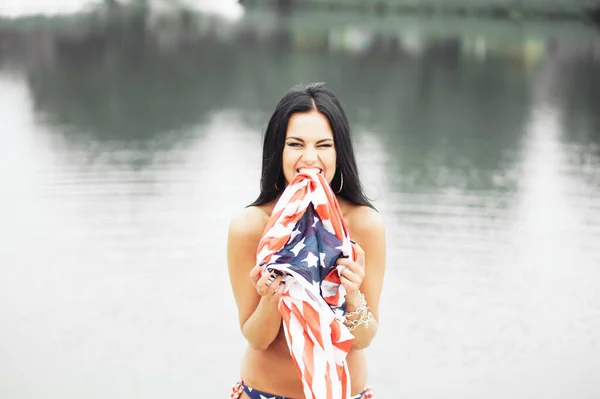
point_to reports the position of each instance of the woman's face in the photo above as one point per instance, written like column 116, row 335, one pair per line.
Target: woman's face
column 308, row 145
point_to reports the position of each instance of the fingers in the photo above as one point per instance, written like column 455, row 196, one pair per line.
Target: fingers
column 352, row 272
column 261, row 284
column 267, row 278
column 360, row 253
column 350, row 281
column 270, row 284
column 348, row 264
column 273, row 281
column 353, row 276
column 255, row 274
column 278, row 292
column 274, row 285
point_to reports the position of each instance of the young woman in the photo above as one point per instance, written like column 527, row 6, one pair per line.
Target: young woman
column 308, row 131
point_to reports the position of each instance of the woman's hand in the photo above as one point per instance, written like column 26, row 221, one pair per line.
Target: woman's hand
column 269, row 286
column 352, row 273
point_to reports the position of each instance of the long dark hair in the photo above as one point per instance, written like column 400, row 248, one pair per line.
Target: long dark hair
column 304, row 99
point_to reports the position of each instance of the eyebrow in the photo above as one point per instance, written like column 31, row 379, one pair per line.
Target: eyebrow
column 299, row 139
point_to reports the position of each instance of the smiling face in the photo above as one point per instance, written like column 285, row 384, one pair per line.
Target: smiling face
column 308, row 145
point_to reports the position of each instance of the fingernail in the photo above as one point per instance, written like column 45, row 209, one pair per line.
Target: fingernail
column 352, row 241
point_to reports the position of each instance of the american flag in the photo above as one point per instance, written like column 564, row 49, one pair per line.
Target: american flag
column 304, row 237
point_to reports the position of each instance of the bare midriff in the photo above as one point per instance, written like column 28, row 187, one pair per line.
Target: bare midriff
column 272, row 370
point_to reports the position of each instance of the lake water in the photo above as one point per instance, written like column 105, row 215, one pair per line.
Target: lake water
column 125, row 152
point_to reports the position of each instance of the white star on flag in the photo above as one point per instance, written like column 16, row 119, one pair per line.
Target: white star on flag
column 298, row 247
column 328, row 226
column 294, row 234
column 311, row 260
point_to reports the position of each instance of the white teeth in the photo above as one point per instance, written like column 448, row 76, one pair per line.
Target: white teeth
column 309, row 170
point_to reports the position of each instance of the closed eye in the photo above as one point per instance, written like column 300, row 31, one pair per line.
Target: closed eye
column 326, row 145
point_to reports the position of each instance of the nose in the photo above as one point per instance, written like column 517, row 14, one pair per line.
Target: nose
column 310, row 155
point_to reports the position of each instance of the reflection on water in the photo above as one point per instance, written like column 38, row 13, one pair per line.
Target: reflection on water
column 127, row 151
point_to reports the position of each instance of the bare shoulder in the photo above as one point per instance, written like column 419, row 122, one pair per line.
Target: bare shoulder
column 248, row 223
column 245, row 232
column 365, row 221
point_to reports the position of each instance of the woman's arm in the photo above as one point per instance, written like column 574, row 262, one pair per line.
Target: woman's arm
column 368, row 231
column 259, row 317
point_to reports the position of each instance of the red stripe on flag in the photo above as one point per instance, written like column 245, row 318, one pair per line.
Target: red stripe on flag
column 313, row 320
column 328, row 386
column 336, row 335
column 341, row 372
column 308, row 358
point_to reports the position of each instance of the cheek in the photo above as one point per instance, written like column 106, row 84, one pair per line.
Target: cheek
column 331, row 166
column 287, row 163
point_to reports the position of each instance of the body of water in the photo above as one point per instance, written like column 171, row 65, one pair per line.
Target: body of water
column 125, row 152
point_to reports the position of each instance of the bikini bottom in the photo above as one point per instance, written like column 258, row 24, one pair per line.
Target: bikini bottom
column 240, row 387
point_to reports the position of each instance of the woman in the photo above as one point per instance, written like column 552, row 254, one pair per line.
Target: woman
column 308, row 132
